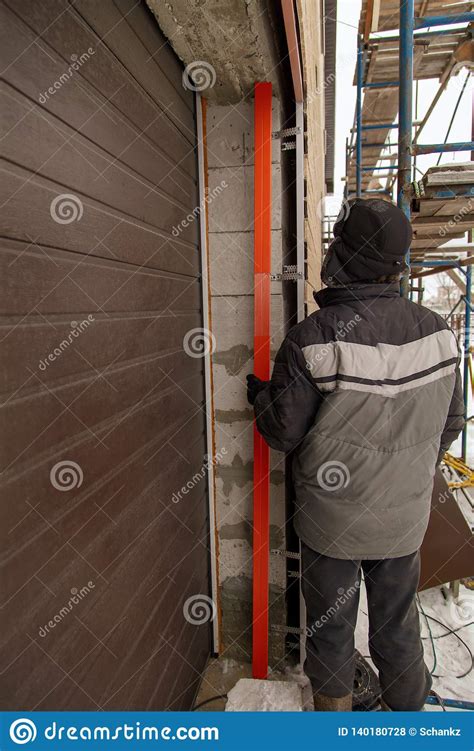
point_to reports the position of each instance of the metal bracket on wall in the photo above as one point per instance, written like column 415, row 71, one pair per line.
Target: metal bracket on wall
column 292, row 555
column 286, row 553
column 291, row 33
column 286, row 629
column 289, row 274
column 285, row 133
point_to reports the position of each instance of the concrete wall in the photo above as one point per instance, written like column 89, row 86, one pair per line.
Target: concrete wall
column 234, row 37
column 230, row 159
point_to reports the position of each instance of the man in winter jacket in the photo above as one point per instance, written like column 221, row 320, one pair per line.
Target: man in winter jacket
column 366, row 393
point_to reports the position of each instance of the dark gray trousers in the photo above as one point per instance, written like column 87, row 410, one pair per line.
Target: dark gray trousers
column 331, row 591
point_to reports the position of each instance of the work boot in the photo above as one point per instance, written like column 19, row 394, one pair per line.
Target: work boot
column 332, row 703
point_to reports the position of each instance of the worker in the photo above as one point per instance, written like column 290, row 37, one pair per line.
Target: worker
column 366, row 393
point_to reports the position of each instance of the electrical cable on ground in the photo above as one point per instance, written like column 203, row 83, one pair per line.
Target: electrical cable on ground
column 454, row 632
column 208, row 701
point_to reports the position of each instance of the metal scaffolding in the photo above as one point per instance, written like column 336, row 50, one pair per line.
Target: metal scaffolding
column 375, row 60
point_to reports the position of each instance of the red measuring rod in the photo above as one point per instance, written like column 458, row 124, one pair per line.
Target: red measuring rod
column 261, row 471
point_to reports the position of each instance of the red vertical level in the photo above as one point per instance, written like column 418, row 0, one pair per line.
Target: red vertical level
column 261, row 476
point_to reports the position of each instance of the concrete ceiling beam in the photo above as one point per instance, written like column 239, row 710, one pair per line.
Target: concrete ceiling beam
column 226, row 45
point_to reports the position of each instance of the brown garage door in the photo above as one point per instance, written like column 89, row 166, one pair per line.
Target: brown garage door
column 102, row 420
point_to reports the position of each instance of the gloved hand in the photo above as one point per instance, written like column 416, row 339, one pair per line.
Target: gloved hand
column 254, row 386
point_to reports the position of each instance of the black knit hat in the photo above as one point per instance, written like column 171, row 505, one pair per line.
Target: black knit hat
column 371, row 239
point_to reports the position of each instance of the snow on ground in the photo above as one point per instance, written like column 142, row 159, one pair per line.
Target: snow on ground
column 452, row 657
column 252, row 695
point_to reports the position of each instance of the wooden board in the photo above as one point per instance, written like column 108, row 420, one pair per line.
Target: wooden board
column 447, row 552
column 388, row 17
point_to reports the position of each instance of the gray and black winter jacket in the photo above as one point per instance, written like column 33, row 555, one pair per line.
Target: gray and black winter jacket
column 367, row 394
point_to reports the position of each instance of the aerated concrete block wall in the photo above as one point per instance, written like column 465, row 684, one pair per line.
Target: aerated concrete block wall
column 230, row 172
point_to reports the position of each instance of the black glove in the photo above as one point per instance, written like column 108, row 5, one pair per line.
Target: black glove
column 254, row 386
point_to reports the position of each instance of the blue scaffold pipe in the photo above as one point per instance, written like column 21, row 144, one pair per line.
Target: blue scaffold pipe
column 378, row 169
column 439, row 148
column 382, row 126
column 381, row 85
column 454, row 703
column 436, row 263
column 426, row 21
column 359, row 117
column 406, row 25
column 467, row 346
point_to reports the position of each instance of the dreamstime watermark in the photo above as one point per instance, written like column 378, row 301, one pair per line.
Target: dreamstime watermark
column 66, row 475
column 344, row 595
column 66, row 208
column 23, row 731
column 460, row 338
column 464, row 211
column 333, row 475
column 199, row 609
column 380, row 206
column 198, row 476
column 196, row 212
column 316, row 93
column 77, row 596
column 445, row 496
column 77, row 328
column 458, row 81
column 343, row 329
column 199, row 76
column 330, row 206
column 199, row 343
column 77, row 61
column 461, row 609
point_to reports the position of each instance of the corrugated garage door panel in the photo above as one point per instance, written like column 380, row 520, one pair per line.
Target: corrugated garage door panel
column 123, row 400
column 100, row 120
column 32, row 140
column 125, row 72
column 132, row 241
